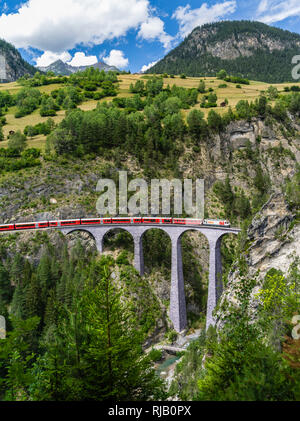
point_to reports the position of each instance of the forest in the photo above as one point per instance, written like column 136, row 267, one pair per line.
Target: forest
column 192, row 56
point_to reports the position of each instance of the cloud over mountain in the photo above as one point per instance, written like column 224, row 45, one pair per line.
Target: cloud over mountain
column 58, row 26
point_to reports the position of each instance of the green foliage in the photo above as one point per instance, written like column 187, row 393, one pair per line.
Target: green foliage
column 241, row 366
column 292, row 191
column 201, row 87
column 138, row 87
column 15, row 361
column 102, row 339
column 261, row 65
column 40, row 128
column 222, row 74
column 272, row 92
column 27, row 100
column 17, row 142
column 155, row 354
column 235, row 203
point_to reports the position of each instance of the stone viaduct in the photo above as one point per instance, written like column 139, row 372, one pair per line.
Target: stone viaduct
column 177, row 295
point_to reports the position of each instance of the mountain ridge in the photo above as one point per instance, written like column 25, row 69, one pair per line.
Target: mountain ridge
column 65, row 69
column 12, row 65
column 249, row 49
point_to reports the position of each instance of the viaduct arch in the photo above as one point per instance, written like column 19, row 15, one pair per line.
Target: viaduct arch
column 177, row 295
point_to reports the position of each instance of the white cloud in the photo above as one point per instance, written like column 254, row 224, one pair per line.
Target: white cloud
column 147, row 66
column 270, row 11
column 80, row 59
column 48, row 57
column 60, row 25
column 189, row 19
column 153, row 29
column 116, row 58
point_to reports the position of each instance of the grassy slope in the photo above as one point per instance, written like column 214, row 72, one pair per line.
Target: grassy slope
column 233, row 94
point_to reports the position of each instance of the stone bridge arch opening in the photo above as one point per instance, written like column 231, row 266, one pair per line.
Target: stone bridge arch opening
column 83, row 237
column 119, row 242
column 157, row 249
column 195, row 264
column 228, row 247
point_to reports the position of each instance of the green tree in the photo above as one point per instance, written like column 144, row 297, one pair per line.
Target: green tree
column 17, row 141
column 197, row 126
column 99, row 341
column 15, row 361
column 214, row 121
column 201, row 87
column 1, row 133
column 222, row 74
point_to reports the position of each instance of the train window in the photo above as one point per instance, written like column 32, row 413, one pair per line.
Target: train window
column 69, row 222
column 6, row 227
column 90, row 221
column 24, row 226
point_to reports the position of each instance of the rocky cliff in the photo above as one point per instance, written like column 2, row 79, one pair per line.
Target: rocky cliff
column 12, row 66
column 272, row 242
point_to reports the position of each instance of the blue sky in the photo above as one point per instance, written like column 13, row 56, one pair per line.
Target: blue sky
column 129, row 34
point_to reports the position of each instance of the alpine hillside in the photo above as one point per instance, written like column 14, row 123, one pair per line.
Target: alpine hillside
column 249, row 49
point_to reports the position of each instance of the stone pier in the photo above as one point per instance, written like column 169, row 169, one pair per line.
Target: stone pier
column 177, row 296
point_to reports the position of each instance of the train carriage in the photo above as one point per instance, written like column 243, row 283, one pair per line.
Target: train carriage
column 91, row 221
column 7, row 227
column 69, row 222
column 26, row 226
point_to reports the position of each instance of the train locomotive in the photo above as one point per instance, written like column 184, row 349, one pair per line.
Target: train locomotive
column 151, row 220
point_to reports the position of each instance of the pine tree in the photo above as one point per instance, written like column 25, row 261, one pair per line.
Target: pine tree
column 6, row 289
column 95, row 352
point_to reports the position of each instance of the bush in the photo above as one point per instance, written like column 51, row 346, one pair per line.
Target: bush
column 17, row 141
column 172, row 336
column 155, row 354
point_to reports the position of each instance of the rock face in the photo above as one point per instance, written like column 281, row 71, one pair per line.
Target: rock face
column 240, row 47
column 273, row 242
column 12, row 66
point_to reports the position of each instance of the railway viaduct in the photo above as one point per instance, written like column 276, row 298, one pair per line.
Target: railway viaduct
column 177, row 295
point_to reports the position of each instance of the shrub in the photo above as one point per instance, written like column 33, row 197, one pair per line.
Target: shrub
column 155, row 354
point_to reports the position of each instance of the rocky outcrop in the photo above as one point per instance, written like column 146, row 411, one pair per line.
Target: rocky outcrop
column 12, row 66
column 272, row 242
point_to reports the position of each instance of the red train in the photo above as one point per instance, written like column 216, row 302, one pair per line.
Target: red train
column 114, row 221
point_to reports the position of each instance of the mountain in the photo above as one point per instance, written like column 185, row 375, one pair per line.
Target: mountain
column 61, row 68
column 249, row 49
column 12, row 65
